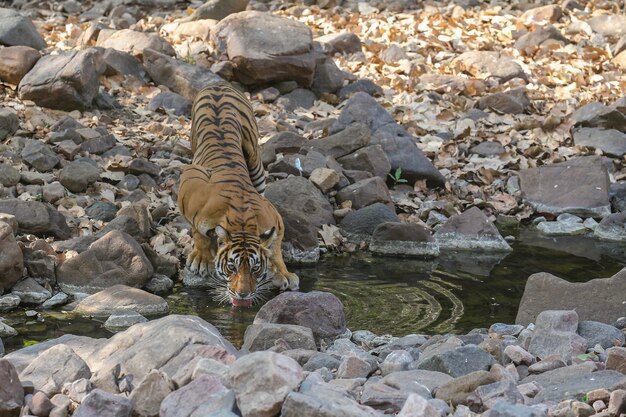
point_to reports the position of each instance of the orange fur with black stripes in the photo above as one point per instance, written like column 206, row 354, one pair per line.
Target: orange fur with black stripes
column 235, row 229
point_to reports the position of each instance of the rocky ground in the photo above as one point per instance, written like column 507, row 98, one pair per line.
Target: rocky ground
column 400, row 127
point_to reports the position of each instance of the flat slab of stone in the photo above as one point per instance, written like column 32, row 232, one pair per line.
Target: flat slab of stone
column 572, row 382
column 609, row 295
column 470, row 230
column 122, row 298
column 579, row 186
column 610, row 141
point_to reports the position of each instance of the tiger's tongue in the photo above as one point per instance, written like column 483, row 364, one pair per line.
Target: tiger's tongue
column 241, row 303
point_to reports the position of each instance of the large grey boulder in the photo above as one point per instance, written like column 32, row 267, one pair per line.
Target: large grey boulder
column 116, row 258
column 470, row 230
column 400, row 147
column 266, row 48
column 541, row 287
column 16, row 29
column 142, row 348
column 299, row 194
column 596, row 333
column 579, row 186
column 67, row 81
column 180, row 77
column 120, row 298
column 262, row 381
column 322, row 312
column 37, row 218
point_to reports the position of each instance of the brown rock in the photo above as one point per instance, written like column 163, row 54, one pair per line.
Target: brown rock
column 11, row 258
column 150, row 392
column 15, row 62
column 616, row 359
column 134, row 42
column 11, row 391
column 266, row 48
column 343, row 43
column 459, row 389
column 550, row 13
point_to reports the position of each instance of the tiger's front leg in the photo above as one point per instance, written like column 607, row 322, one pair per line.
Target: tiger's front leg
column 200, row 260
column 282, row 279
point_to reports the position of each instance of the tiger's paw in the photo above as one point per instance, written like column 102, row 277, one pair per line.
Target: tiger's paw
column 290, row 281
column 199, row 263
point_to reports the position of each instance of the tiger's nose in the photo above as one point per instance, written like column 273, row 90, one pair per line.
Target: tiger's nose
column 242, row 294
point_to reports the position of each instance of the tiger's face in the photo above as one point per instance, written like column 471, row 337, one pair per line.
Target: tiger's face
column 241, row 266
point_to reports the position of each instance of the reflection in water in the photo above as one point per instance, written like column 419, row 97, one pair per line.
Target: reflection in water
column 455, row 293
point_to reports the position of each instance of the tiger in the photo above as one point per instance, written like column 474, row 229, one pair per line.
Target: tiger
column 235, row 229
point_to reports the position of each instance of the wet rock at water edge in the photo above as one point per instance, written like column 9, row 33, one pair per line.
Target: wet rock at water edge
column 578, row 186
column 612, row 227
column 119, row 298
column 30, row 292
column 540, row 289
column 403, row 239
column 68, row 81
column 470, row 230
column 266, row 48
column 322, row 312
column 365, row 220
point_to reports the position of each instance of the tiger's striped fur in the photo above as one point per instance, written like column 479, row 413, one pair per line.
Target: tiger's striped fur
column 235, row 228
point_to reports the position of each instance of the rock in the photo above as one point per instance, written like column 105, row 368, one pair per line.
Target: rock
column 324, row 400
column 458, row 361
column 15, row 62
column 11, row 258
column 511, row 102
column 393, row 54
column 416, row 405
column 574, row 381
column 369, row 158
column 205, row 396
column 470, row 230
column 296, row 99
column 9, row 302
column 541, row 287
column 503, row 390
column 266, row 48
column 134, row 42
column 417, row 381
column 596, row 333
column 103, row 404
column 617, row 402
column 609, row 25
column 122, row 319
column 40, row 404
column 10, row 220
column 505, row 409
column 502, row 329
column 18, row 30
column 198, row 29
column 113, row 259
column 122, row 298
column 366, row 192
column 77, row 390
column 342, row 43
column 118, row 62
column 6, row 330
column 612, row 227
column 262, row 381
column 57, row 299
column 399, row 145
column 518, row 355
column 555, row 334
column 322, row 312
column 396, row 361
column 344, row 142
column 531, row 41
column 173, row 102
column 620, row 60
column 550, row 13
column 39, row 156
column 298, row 164
column 363, row 85
column 264, row 336
column 488, row 148
column 30, row 292
column 142, row 348
column 459, row 389
column 67, row 81
column 383, row 397
column 328, row 77
column 616, row 359
column 488, row 63
column 284, row 143
column 324, row 178
column 365, row 220
column 180, row 77
column 218, row 9
column 102, row 210
column 46, row 374
column 9, row 123
column 562, row 228
column 147, row 396
column 11, row 391
column 598, row 115
column 353, row 367
column 610, row 141
column 159, row 284
column 584, row 182
column 299, row 194
column 403, row 239
column 77, row 176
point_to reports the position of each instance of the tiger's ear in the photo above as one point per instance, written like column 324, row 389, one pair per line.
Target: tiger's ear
column 222, row 235
column 268, row 237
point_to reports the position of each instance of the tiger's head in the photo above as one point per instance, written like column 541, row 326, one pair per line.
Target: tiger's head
column 241, row 266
